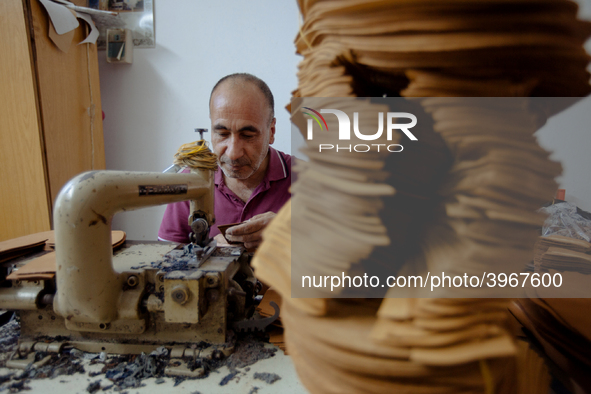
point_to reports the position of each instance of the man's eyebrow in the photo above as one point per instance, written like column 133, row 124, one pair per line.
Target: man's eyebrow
column 249, row 128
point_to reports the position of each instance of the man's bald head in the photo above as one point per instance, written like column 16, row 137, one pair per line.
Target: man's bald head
column 239, row 79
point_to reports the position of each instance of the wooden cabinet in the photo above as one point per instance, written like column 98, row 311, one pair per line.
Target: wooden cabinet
column 50, row 116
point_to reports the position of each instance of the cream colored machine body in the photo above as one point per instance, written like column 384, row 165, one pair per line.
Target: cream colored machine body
column 97, row 303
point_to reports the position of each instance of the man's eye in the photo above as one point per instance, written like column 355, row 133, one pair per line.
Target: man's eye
column 248, row 136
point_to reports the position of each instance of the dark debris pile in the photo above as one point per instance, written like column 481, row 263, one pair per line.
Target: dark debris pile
column 175, row 260
column 248, row 350
column 56, row 365
column 180, row 259
column 9, row 334
column 267, row 377
column 126, row 372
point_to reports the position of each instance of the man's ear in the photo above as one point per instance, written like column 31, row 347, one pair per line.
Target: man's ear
column 272, row 131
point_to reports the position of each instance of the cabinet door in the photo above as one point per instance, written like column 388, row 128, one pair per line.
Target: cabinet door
column 69, row 99
column 24, row 204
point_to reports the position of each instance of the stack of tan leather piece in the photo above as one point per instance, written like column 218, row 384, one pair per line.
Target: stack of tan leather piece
column 21, row 246
column 42, row 265
column 336, row 201
column 478, row 172
column 562, row 254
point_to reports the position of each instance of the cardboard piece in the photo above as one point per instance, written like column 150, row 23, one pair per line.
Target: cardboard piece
column 21, row 246
column 40, row 268
column 62, row 41
column 44, row 267
column 117, row 238
column 224, row 227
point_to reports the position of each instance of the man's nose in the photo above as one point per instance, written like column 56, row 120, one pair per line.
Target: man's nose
column 234, row 150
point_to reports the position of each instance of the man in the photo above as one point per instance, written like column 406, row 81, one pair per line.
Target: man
column 252, row 181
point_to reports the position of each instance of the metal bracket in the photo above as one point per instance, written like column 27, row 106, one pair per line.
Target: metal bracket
column 31, row 346
column 117, row 326
column 179, row 367
column 201, row 131
column 20, row 363
column 26, row 354
column 203, row 253
column 257, row 324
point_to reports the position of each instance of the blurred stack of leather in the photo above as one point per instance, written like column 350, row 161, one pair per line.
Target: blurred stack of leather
column 529, row 47
column 337, row 198
column 561, row 327
column 334, row 354
column 462, row 201
column 553, row 317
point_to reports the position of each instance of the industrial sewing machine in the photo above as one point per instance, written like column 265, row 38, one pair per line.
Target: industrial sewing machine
column 135, row 300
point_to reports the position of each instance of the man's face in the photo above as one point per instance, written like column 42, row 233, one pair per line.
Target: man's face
column 242, row 128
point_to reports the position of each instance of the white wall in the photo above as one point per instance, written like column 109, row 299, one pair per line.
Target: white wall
column 153, row 105
column 568, row 137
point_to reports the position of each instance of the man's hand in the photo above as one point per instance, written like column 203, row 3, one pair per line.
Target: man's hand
column 250, row 233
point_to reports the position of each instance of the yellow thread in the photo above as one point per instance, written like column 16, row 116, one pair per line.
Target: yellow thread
column 302, row 33
column 196, row 155
column 489, row 384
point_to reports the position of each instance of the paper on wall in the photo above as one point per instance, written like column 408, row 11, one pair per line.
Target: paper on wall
column 62, row 19
column 94, row 32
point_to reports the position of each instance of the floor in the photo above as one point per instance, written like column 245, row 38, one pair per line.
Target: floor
column 243, row 382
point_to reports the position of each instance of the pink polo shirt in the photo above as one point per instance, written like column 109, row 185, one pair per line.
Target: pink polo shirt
column 270, row 195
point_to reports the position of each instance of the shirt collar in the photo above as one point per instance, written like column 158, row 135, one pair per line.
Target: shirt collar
column 275, row 171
